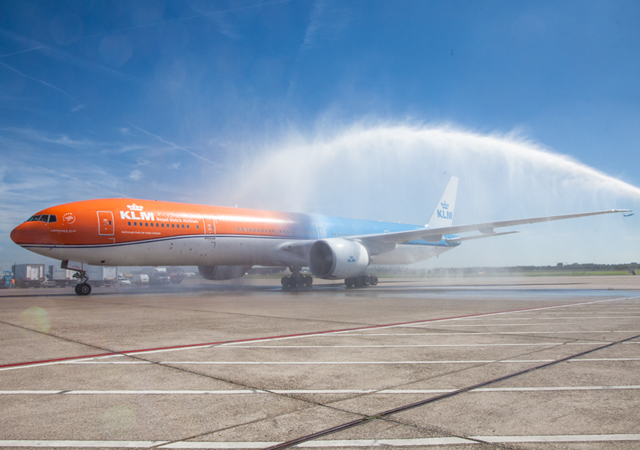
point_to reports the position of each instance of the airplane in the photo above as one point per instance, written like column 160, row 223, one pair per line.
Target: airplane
column 629, row 215
column 226, row 242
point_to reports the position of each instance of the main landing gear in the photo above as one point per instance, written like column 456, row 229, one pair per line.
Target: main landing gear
column 361, row 281
column 82, row 288
column 296, row 280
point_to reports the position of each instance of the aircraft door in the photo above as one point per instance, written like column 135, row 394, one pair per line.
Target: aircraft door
column 210, row 228
column 322, row 234
column 105, row 223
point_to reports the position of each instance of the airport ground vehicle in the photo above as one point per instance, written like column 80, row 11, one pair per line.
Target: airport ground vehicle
column 176, row 274
column 62, row 277
column 226, row 242
column 102, row 275
column 157, row 275
column 29, row 275
column 5, row 281
column 140, row 279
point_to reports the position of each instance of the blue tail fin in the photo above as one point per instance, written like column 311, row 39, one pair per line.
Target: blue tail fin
column 443, row 215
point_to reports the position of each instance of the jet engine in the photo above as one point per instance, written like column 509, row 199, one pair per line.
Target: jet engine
column 222, row 272
column 338, row 258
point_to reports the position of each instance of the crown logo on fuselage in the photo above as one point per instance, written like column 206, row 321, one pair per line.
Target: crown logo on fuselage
column 134, row 207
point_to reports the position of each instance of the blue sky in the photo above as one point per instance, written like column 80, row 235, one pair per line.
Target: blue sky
column 192, row 100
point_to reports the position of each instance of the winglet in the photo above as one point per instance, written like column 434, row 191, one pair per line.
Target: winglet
column 443, row 214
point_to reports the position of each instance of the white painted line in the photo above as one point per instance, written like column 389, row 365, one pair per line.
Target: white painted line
column 318, row 391
column 516, row 324
column 418, row 345
column 561, row 438
column 295, row 363
column 326, row 443
column 81, row 444
column 277, row 363
column 591, row 317
column 570, row 360
column 472, row 333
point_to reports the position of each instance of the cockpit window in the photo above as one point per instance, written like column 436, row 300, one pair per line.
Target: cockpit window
column 33, row 218
column 44, row 218
column 52, row 218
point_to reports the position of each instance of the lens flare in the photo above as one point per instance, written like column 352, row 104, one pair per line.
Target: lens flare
column 35, row 318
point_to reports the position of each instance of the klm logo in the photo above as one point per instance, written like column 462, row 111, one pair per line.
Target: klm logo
column 131, row 215
column 445, row 214
column 351, row 259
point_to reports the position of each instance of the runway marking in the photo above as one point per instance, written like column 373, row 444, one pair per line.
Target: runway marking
column 302, row 363
column 430, row 400
column 326, row 443
column 317, row 391
column 418, row 345
column 522, row 324
column 485, row 334
column 589, row 316
column 13, row 366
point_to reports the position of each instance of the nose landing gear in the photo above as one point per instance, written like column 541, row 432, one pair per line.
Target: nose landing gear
column 82, row 288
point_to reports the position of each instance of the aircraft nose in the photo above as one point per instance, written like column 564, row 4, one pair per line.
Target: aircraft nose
column 20, row 234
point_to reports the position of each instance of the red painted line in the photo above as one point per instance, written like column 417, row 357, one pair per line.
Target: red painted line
column 313, row 333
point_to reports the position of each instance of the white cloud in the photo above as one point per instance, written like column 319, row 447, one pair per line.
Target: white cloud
column 135, row 175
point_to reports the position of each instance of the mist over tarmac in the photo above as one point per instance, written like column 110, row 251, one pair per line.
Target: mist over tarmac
column 397, row 172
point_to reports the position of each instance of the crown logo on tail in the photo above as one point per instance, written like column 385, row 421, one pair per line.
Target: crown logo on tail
column 444, row 205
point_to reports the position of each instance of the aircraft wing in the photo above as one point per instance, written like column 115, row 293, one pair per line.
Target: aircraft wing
column 487, row 229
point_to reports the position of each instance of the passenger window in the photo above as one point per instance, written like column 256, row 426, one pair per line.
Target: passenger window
column 129, row 223
column 173, row 225
column 135, row 224
column 53, row 218
column 187, row 227
column 146, row 224
column 182, row 225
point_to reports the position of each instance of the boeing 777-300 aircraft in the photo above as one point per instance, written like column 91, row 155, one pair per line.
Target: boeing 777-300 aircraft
column 226, row 242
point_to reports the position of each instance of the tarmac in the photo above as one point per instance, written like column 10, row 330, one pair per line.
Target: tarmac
column 469, row 363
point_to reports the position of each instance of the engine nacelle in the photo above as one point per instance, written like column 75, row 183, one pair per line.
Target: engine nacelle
column 222, row 272
column 338, row 258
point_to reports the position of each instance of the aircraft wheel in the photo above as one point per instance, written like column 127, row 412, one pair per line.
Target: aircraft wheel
column 308, row 281
column 83, row 289
column 374, row 280
column 284, row 281
column 366, row 280
column 349, row 282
